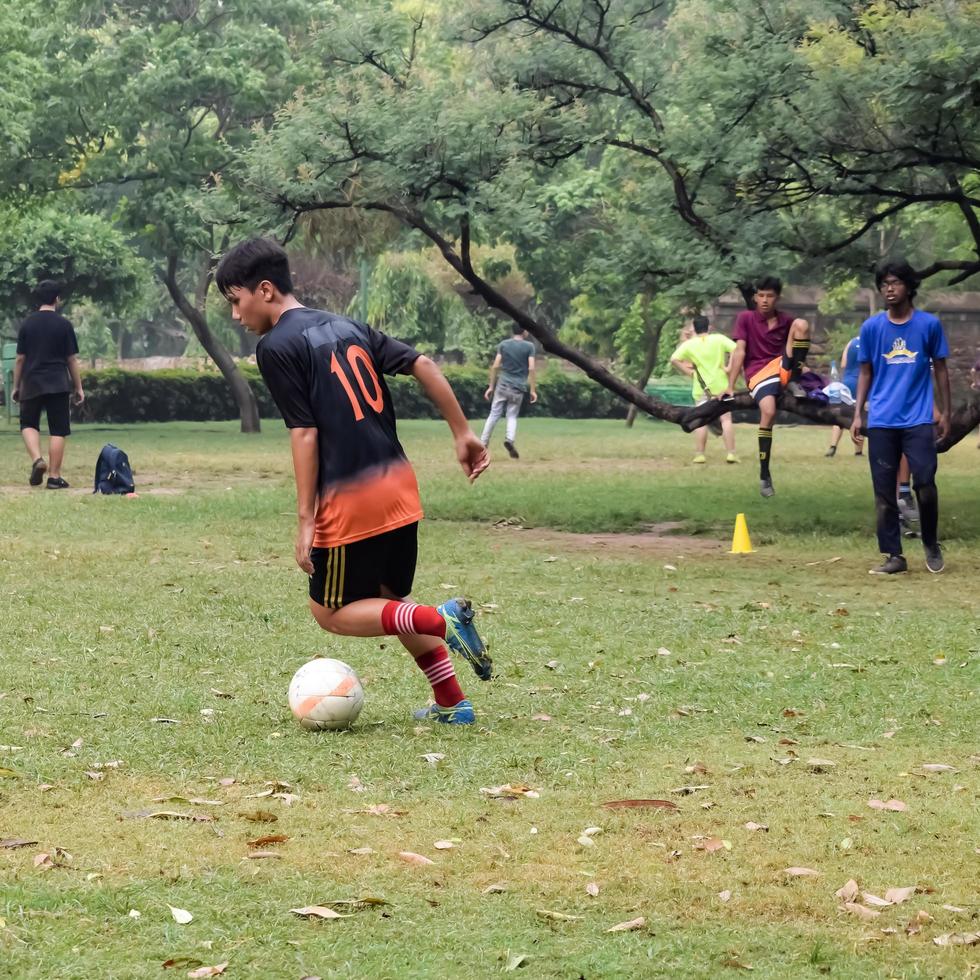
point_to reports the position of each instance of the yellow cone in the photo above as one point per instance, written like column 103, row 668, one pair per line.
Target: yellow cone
column 741, row 542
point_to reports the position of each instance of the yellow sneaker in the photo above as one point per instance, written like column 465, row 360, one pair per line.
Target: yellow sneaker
column 700, row 458
column 732, row 458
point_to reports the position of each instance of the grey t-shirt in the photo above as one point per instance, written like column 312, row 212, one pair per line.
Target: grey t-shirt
column 514, row 356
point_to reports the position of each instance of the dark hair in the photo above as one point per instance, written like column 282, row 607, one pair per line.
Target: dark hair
column 770, row 283
column 46, row 292
column 250, row 262
column 900, row 269
column 701, row 324
column 517, row 328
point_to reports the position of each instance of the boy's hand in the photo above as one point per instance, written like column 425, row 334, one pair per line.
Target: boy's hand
column 304, row 544
column 488, row 394
column 856, row 436
column 534, row 397
column 473, row 456
column 942, row 427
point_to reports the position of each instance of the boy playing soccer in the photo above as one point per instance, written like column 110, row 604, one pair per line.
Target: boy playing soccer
column 357, row 498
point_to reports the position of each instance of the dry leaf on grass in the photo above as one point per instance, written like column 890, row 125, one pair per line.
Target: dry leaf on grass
column 557, row 916
column 875, row 900
column 629, row 926
column 895, row 805
column 725, row 895
column 434, row 758
column 151, row 814
column 898, row 895
column 12, row 843
column 443, row 845
column 515, row 962
column 197, row 800
column 733, row 963
column 361, row 850
column 209, row 971
column 318, row 912
column 915, row 926
column 757, row 826
column 410, row 857
column 267, row 839
column 863, row 913
column 181, row 916
column 180, row 962
column 592, row 889
column 510, row 791
column 227, row 781
column 801, row 872
column 848, row 891
column 497, row 888
column 820, row 765
column 712, row 844
column 937, row 767
column 263, row 855
column 629, row 804
column 953, row 908
column 958, row 939
column 257, row 816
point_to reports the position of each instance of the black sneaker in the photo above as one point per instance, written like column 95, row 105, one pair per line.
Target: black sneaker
column 38, row 469
column 56, row 483
column 766, row 488
column 512, row 449
column 832, row 451
column 934, row 559
column 892, row 565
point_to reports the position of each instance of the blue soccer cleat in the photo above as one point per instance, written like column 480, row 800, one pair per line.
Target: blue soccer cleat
column 462, row 637
column 458, row 714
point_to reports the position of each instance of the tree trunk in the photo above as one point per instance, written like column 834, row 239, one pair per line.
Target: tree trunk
column 649, row 363
column 248, row 407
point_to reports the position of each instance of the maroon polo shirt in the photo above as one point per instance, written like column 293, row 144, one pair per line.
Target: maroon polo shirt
column 761, row 343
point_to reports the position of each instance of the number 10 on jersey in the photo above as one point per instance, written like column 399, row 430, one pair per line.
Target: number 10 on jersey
column 364, row 374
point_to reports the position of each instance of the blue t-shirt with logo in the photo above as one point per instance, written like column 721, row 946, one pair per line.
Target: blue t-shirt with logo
column 901, row 355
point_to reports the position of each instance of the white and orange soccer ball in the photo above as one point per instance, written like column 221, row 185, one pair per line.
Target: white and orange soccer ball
column 325, row 694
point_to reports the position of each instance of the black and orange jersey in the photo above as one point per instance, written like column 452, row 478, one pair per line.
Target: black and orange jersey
column 327, row 372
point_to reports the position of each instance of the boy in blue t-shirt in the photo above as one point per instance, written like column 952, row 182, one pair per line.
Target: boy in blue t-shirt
column 899, row 351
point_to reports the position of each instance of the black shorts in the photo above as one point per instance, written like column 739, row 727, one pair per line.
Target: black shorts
column 55, row 406
column 364, row 569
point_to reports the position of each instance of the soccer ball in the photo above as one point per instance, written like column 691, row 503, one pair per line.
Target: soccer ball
column 325, row 694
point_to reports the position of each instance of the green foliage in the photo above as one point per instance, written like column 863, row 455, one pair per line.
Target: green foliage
column 116, row 396
column 84, row 252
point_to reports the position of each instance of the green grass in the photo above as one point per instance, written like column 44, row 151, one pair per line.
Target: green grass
column 118, row 611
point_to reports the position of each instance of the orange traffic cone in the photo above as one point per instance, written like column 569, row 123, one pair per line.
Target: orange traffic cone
column 741, row 542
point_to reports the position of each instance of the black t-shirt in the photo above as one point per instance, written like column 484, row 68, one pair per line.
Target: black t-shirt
column 325, row 371
column 47, row 340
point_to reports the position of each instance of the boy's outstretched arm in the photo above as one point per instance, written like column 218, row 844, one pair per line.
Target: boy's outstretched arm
column 473, row 456
column 304, row 444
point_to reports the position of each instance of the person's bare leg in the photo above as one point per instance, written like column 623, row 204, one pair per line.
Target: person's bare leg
column 700, row 439
column 56, row 456
column 728, row 432
column 32, row 440
column 361, row 618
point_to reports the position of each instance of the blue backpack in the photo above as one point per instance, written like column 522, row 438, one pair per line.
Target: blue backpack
column 113, row 474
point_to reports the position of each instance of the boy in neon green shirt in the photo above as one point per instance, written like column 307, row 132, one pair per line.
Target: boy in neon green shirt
column 704, row 358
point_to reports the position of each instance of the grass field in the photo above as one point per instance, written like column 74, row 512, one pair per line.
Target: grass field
column 647, row 664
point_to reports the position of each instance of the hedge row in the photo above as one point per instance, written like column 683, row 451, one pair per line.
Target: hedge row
column 115, row 396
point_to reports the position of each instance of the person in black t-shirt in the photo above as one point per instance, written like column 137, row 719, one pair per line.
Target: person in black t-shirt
column 45, row 374
column 357, row 498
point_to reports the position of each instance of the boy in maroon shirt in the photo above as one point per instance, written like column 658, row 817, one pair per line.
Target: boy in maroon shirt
column 771, row 346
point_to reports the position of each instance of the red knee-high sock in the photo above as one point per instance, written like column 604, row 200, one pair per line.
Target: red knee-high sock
column 438, row 668
column 402, row 618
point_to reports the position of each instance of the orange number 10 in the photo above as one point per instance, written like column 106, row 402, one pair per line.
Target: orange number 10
column 360, row 363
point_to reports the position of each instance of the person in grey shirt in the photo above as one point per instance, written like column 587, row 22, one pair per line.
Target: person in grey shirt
column 515, row 362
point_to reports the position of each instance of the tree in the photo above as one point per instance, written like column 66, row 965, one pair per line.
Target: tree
column 146, row 104
column 87, row 255
column 550, row 85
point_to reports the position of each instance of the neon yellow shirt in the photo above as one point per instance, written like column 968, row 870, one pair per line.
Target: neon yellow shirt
column 707, row 352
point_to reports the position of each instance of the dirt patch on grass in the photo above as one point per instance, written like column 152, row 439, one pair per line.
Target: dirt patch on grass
column 659, row 539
